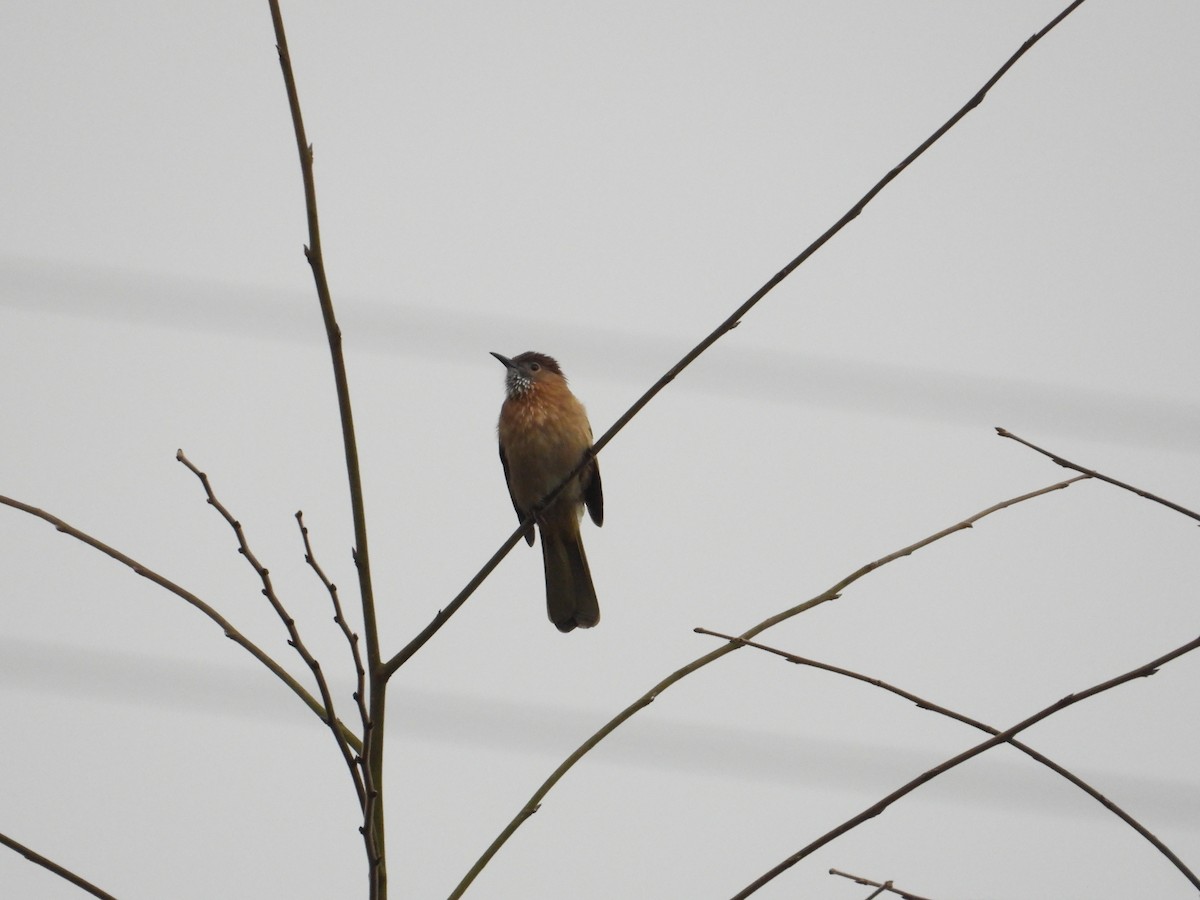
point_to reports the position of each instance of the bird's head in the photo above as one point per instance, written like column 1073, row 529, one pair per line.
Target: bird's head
column 527, row 370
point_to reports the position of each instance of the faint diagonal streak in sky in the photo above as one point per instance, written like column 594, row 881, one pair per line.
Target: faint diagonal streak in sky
column 112, row 295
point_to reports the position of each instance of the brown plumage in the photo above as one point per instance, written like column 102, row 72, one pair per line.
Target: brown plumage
column 544, row 433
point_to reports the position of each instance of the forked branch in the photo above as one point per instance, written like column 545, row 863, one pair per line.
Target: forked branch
column 1099, row 476
column 230, row 631
column 289, row 623
column 1143, row 671
column 647, row 698
column 974, row 723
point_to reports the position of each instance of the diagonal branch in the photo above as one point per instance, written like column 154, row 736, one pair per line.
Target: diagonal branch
column 647, row 698
column 35, row 857
column 949, row 713
column 443, row 615
column 883, row 886
column 1143, row 671
column 230, row 632
column 1092, row 473
column 716, row 334
column 289, row 623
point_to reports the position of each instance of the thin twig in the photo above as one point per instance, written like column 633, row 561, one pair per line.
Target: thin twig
column 339, row 618
column 974, row 723
column 360, row 694
column 647, row 698
column 716, row 334
column 294, row 639
column 373, row 831
column 230, row 632
column 1143, row 671
column 1099, row 476
column 883, row 886
column 54, row 867
column 368, row 780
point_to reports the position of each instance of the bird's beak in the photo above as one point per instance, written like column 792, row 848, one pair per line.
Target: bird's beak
column 504, row 359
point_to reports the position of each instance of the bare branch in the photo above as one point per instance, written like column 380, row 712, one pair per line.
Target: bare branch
column 647, row 698
column 371, row 794
column 1143, row 671
column 54, row 867
column 230, row 632
column 883, row 886
column 340, row 618
column 1092, row 473
column 289, row 623
column 373, row 830
column 333, row 332
column 730, row 323
column 443, row 615
column 974, row 723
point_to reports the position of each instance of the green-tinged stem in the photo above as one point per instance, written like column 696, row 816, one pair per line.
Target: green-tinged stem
column 362, row 561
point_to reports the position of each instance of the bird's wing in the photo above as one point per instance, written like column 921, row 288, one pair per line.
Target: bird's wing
column 593, row 493
column 520, row 514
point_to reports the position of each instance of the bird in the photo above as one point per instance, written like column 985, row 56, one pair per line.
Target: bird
column 544, row 434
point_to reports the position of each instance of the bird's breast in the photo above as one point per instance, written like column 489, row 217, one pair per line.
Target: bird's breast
column 543, row 438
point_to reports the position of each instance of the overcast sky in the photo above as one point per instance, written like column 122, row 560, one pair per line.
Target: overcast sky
column 604, row 185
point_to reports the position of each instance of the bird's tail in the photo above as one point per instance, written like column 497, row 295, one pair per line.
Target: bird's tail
column 570, row 597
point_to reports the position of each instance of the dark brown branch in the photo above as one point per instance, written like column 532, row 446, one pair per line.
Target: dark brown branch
column 294, row 639
column 373, row 831
column 370, row 796
column 230, row 632
column 883, row 886
column 443, row 615
column 1099, row 476
column 333, row 331
column 54, row 867
column 1143, row 671
column 716, row 334
column 647, row 698
column 974, row 723
column 735, row 318
column 340, row 619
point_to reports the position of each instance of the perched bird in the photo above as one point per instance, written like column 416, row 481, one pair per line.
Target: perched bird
column 544, row 434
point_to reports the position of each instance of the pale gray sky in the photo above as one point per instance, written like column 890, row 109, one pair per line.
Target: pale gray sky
column 604, row 185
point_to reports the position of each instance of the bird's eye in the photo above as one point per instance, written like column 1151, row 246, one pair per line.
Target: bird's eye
column 533, row 367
